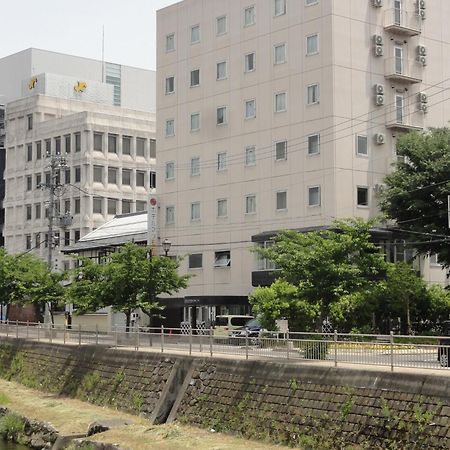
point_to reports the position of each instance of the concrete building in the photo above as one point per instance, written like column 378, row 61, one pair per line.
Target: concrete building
column 110, row 155
column 2, row 169
column 134, row 88
column 277, row 114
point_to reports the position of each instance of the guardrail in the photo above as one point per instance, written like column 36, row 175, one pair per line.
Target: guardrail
column 424, row 352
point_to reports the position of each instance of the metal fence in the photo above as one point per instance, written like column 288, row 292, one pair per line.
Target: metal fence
column 424, row 352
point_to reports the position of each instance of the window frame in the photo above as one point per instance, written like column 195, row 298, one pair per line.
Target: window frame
column 221, row 162
column 318, row 144
column 192, row 42
column 246, row 102
column 358, row 152
column 166, row 215
column 317, row 51
column 285, row 142
column 167, row 91
column 195, row 114
column 283, row 12
column 224, row 115
column 172, row 48
column 195, row 267
column 253, row 16
column 284, row 191
column 313, row 85
column 275, row 47
column 219, row 18
column 193, row 206
column 367, row 190
column 222, row 254
column 197, row 173
column 247, row 163
column 246, row 209
column 276, row 95
column 167, row 130
column 246, row 69
column 167, row 173
column 319, row 196
column 222, row 64
column 221, row 201
column 190, row 78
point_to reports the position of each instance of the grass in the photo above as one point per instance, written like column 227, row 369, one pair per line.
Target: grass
column 71, row 416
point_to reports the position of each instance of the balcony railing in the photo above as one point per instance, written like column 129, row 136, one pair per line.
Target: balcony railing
column 403, row 70
column 403, row 118
column 402, row 22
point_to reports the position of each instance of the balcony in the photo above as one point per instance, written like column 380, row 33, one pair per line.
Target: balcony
column 402, row 70
column 403, row 23
column 403, row 117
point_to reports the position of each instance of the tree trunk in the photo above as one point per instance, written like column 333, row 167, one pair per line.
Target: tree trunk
column 128, row 319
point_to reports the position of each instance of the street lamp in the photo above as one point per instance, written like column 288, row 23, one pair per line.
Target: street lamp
column 166, row 246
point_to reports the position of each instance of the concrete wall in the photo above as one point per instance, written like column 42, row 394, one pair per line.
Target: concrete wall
column 311, row 406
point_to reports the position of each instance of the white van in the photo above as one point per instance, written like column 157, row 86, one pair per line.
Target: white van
column 225, row 324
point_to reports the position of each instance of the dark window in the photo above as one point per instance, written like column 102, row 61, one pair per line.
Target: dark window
column 68, row 141
column 29, row 152
column 77, row 235
column 238, row 321
column 98, row 142
column 112, row 206
column 195, row 77
column 98, row 174
column 152, row 148
column 140, row 147
column 363, row 196
column 126, row 177
column 152, row 180
column 77, row 205
column 126, row 145
column 97, row 205
column 67, row 238
column 38, row 180
column 141, row 206
column 140, row 178
column 38, row 150
column 78, row 142
column 196, row 261
column 58, row 145
column 67, row 176
column 28, row 212
column 77, row 174
column 48, row 147
column 112, row 143
column 29, row 182
column 112, row 175
column 30, row 121
column 28, row 241
column 37, row 211
column 126, row 206
column 222, row 259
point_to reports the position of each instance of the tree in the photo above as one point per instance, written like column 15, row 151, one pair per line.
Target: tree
column 329, row 271
column 129, row 280
column 416, row 194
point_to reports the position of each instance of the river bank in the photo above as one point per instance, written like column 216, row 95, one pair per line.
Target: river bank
column 71, row 416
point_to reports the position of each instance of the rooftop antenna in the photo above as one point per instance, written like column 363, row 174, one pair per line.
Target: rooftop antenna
column 103, row 54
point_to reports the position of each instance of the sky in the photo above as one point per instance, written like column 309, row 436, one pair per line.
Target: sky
column 75, row 27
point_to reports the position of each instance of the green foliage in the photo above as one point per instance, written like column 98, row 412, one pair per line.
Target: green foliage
column 4, row 400
column 418, row 187
column 11, row 425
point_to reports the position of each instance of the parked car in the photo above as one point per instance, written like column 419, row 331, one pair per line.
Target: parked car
column 224, row 324
column 444, row 345
column 254, row 330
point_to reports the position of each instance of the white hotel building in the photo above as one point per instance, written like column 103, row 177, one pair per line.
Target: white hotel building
column 276, row 114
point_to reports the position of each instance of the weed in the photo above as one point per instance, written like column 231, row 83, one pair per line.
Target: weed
column 11, row 425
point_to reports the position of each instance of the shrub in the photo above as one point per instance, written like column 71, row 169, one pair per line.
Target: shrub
column 11, row 425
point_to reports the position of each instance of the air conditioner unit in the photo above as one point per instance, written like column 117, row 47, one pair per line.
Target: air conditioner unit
column 423, row 107
column 378, row 39
column 379, row 100
column 378, row 50
column 380, row 138
column 423, row 98
column 421, row 50
column 379, row 188
column 421, row 4
column 422, row 60
column 422, row 14
column 377, row 3
column 379, row 89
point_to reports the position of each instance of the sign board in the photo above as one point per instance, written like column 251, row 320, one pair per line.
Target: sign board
column 282, row 325
column 152, row 220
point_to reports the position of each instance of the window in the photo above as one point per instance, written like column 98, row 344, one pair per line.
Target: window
column 76, row 235
column 195, row 211
column 314, row 144
column 112, row 143
column 48, row 147
column 362, row 194
column 281, row 151
column 311, row 2
column 314, row 196
column 112, row 206
column 221, row 71
column 170, row 214
column 195, row 121
column 195, row 77
column 280, row 53
column 250, row 109
column 170, row 85
column 68, row 143
column 98, row 174
column 250, row 204
column 170, row 170
column 67, row 176
column 170, row 127
column 38, row 180
column 221, row 161
column 97, row 205
column 249, row 16
column 361, row 145
column 221, row 23
column 112, row 175
column 280, row 7
column 195, row 34
column 77, row 142
column 152, row 148
column 170, row 42
column 222, row 259
column 30, row 121
column 152, row 177
column 195, row 166
column 434, row 260
column 222, row 208
column 140, row 178
column 280, row 102
column 29, row 182
column 195, row 261
column 58, row 145
column 38, row 150
column 37, row 211
column 250, row 156
column 126, row 145
column 281, row 200
column 249, row 62
column 313, row 94
column 98, row 142
column 67, row 206
column 77, row 208
column 221, row 115
column 312, row 44
column 28, row 212
column 77, row 174
column 47, row 178
column 67, row 238
column 140, row 147
column 126, row 177
column 126, row 206
column 28, row 241
column 29, row 152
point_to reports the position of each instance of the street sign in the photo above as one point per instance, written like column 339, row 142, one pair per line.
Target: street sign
column 152, row 218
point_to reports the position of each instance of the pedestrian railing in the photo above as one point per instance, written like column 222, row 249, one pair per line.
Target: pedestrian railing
column 424, row 352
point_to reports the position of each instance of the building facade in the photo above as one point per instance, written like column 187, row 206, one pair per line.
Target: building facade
column 283, row 114
column 2, row 170
column 107, row 157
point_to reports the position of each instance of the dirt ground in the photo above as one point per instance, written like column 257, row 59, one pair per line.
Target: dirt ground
column 71, row 416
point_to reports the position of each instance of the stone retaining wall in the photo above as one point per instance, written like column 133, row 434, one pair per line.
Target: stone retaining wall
column 312, row 406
